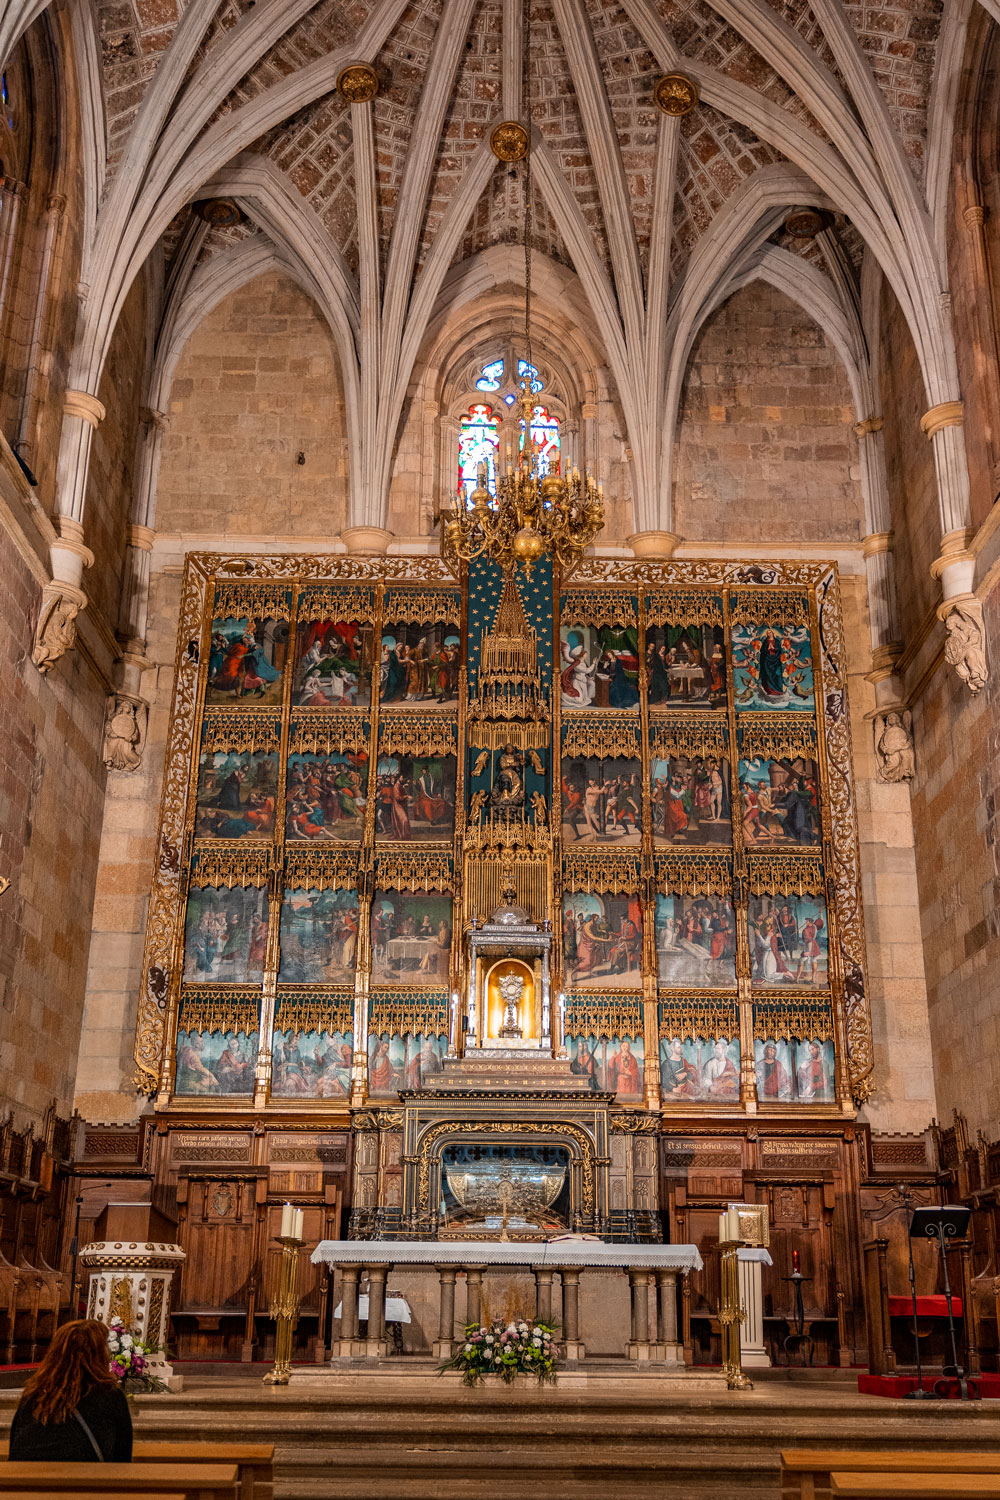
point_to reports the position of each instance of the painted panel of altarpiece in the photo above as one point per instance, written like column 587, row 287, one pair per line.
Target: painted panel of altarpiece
column 338, row 793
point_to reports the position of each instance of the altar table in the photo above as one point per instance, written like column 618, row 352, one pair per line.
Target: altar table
column 646, row 1266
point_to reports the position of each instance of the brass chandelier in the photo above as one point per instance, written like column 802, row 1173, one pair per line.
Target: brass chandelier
column 532, row 513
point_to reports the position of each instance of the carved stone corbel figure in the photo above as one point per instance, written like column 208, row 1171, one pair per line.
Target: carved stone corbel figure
column 893, row 732
column 55, row 633
column 965, row 643
column 125, row 720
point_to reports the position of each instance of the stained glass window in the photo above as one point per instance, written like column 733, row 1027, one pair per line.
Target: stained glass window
column 490, row 376
column 523, row 368
column 544, row 440
column 478, row 440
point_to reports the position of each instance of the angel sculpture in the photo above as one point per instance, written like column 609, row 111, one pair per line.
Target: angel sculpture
column 536, row 762
column 539, row 808
column 477, row 802
column 481, row 762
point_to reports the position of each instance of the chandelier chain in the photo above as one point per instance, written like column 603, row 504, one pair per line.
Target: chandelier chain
column 526, row 105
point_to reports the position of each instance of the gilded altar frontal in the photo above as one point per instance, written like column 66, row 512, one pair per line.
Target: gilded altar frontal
column 500, row 745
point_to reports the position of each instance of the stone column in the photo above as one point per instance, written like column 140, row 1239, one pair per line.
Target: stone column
column 572, row 1344
column 667, row 1346
column 348, row 1310
column 376, row 1345
column 63, row 598
column 752, row 1350
column 132, row 1281
column 543, row 1295
column 955, row 566
column 474, row 1294
column 638, row 1347
column 445, row 1341
column 984, row 341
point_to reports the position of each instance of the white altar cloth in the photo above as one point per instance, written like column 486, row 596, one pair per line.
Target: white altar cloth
column 397, row 1309
column 589, row 1254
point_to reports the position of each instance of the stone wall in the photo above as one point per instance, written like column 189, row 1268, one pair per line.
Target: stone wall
column 128, row 838
column 956, row 797
column 909, row 462
column 766, row 451
column 51, row 797
column 257, row 386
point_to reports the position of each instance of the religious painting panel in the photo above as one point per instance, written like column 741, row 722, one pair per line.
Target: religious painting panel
column 333, row 664
column 312, row 1045
column 772, row 651
column 403, row 1060
column 690, row 800
column 611, row 1064
column 686, row 665
column 237, row 793
column 698, row 1068
column 598, row 666
column 774, row 1067
column 602, row 940
column 780, row 801
column 217, row 1038
column 695, row 940
column 246, row 661
column 326, row 796
column 602, row 800
column 815, row 1064
column 225, row 935
column 415, row 797
column 411, row 937
column 319, row 936
column 419, row 664
column 788, row 940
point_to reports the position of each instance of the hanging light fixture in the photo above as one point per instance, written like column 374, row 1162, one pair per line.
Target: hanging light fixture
column 532, row 513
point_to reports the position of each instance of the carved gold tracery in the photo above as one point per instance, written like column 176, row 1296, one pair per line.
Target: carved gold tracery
column 444, row 1129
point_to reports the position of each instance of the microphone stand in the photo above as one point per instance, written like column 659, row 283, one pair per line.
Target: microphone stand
column 905, row 1197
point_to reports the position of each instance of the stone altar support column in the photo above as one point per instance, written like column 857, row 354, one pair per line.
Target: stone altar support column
column 474, row 1294
column 638, row 1346
column 572, row 1346
column 543, row 1296
column 131, row 1280
column 666, row 1347
column 376, row 1346
column 752, row 1348
column 443, row 1344
column 348, row 1311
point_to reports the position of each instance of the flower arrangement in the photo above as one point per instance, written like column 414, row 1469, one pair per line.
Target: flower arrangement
column 130, row 1360
column 508, row 1350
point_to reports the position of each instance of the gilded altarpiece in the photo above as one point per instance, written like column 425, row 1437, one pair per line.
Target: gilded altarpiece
column 336, row 812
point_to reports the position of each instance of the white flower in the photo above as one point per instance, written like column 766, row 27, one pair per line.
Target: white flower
column 488, row 1354
column 467, row 1349
column 489, row 1338
column 522, row 1327
column 127, row 1341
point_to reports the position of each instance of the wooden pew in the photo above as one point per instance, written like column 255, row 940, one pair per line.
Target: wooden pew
column 805, row 1472
column 905, row 1486
column 254, row 1461
column 193, row 1481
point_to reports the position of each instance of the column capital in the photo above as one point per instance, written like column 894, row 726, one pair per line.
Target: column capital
column 655, row 545
column 85, row 406
column 366, row 541
column 868, row 426
column 974, row 215
column 142, row 537
column 876, row 542
column 954, row 549
column 945, row 414
column 588, row 410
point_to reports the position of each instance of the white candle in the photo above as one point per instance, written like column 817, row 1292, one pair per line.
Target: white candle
column 722, row 1227
column 733, row 1215
column 287, row 1221
column 299, row 1220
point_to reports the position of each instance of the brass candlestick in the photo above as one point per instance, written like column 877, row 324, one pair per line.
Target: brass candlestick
column 731, row 1315
column 285, row 1310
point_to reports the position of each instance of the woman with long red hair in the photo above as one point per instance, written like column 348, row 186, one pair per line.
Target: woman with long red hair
column 72, row 1409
